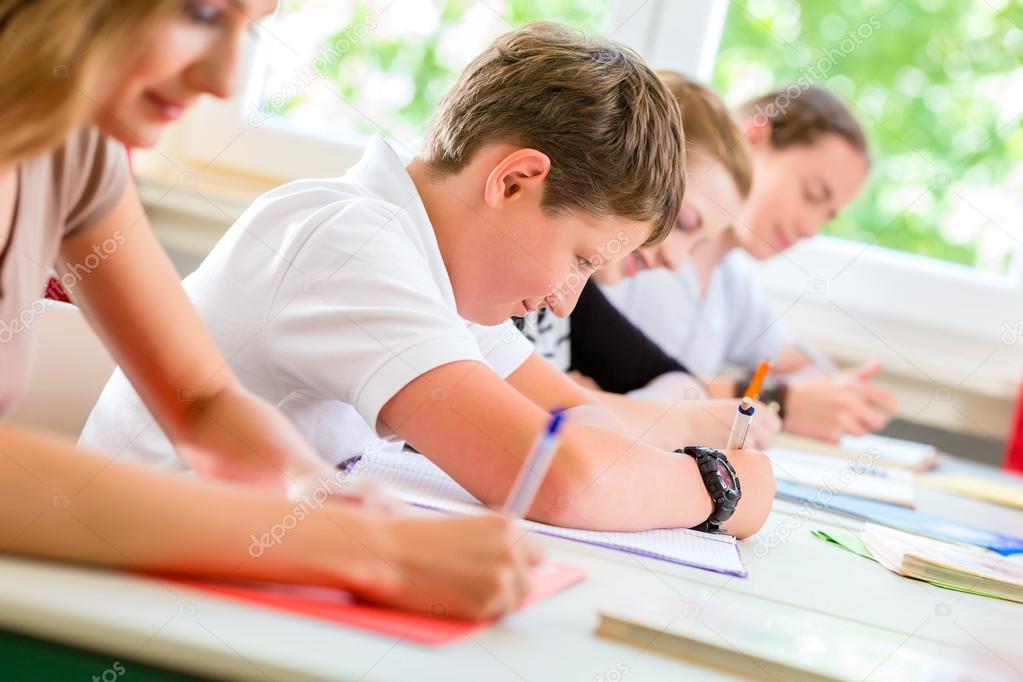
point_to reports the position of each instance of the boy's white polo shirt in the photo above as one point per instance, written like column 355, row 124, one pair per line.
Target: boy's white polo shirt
column 327, row 297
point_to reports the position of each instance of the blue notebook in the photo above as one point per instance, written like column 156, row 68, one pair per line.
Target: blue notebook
column 901, row 518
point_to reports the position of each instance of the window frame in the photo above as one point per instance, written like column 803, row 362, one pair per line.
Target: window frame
column 231, row 136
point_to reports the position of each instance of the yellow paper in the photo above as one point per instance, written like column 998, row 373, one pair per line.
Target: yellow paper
column 989, row 490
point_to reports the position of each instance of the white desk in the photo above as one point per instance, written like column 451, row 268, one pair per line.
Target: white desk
column 181, row 629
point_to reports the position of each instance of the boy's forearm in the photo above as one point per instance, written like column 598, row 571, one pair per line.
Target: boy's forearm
column 662, row 425
column 606, row 481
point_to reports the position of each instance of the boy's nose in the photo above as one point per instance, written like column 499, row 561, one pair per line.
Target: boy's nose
column 563, row 302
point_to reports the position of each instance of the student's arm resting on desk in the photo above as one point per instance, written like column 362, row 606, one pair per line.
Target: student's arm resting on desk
column 116, row 514
column 619, row 357
column 134, row 301
column 482, row 430
column 671, row 425
column 828, row 406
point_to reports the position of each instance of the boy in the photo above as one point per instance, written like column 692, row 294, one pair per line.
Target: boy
column 345, row 301
column 597, row 341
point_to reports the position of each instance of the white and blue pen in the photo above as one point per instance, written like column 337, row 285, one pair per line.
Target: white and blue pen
column 741, row 425
column 534, row 469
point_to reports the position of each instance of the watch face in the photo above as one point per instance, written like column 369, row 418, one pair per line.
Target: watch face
column 726, row 476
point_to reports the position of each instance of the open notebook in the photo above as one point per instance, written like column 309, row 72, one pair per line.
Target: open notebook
column 418, row 481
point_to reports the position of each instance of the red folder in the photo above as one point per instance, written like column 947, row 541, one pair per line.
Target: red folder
column 340, row 607
column 1014, row 444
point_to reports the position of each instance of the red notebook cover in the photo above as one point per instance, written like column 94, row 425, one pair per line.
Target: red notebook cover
column 337, row 606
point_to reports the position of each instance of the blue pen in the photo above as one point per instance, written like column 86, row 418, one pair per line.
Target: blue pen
column 535, row 467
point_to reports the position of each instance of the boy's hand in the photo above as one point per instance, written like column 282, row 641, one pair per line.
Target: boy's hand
column 757, row 481
column 831, row 406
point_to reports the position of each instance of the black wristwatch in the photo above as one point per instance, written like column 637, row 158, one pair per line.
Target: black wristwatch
column 721, row 481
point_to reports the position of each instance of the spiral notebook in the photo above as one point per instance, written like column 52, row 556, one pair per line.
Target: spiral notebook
column 415, row 479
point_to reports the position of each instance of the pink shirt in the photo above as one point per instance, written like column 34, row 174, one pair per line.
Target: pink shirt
column 59, row 194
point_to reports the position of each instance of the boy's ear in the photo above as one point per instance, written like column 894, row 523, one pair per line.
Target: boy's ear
column 757, row 130
column 522, row 170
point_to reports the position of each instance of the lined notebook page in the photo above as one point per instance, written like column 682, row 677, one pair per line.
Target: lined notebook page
column 417, row 480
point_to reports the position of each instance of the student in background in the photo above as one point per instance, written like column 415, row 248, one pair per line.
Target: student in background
column 378, row 303
column 599, row 343
column 125, row 69
column 809, row 161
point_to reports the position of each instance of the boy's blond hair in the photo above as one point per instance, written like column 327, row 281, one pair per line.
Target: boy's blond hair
column 709, row 126
column 607, row 122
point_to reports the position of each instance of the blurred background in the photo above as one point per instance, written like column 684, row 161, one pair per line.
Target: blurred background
column 924, row 270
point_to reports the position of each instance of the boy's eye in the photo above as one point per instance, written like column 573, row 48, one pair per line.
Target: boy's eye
column 583, row 263
column 202, row 12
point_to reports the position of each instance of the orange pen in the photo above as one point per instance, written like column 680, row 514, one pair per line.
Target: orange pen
column 753, row 390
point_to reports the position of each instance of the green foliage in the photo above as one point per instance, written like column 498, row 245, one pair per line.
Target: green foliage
column 937, row 85
column 422, row 59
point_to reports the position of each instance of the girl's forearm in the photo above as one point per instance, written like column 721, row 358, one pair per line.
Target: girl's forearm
column 61, row 502
column 236, row 436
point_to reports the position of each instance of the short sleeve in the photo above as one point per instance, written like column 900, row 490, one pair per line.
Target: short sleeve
column 93, row 172
column 760, row 332
column 504, row 346
column 358, row 314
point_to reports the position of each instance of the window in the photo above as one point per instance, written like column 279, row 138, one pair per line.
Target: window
column 938, row 85
column 326, row 73
column 380, row 66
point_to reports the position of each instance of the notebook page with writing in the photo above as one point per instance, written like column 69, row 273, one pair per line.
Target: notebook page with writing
column 418, row 481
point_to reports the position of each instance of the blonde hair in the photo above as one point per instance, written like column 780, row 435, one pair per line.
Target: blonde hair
column 53, row 55
column 607, row 122
column 710, row 126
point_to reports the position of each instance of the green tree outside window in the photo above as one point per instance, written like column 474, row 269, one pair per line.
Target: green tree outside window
column 937, row 84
